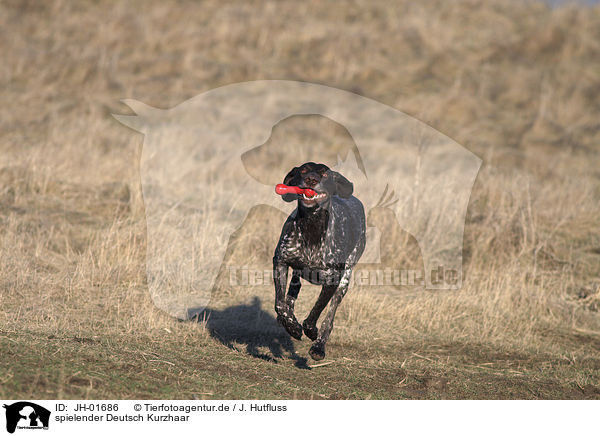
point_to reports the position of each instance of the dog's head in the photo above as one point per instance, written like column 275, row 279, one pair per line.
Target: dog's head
column 320, row 179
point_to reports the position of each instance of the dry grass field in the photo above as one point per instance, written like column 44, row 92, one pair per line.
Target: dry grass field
column 517, row 83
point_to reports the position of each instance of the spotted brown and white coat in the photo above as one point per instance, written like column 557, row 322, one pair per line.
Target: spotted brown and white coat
column 321, row 241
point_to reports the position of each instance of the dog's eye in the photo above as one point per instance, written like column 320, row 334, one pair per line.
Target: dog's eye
column 324, row 175
column 304, row 171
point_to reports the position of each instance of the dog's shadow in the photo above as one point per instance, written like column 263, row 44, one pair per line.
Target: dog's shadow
column 251, row 326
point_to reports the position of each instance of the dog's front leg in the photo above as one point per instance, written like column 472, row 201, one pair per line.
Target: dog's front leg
column 280, row 280
column 285, row 313
column 310, row 323
column 293, row 290
column 317, row 350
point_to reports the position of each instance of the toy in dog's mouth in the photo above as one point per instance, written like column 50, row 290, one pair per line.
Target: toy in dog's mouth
column 308, row 195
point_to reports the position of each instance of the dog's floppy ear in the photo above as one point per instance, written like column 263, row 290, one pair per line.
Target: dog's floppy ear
column 293, row 173
column 287, row 180
column 343, row 186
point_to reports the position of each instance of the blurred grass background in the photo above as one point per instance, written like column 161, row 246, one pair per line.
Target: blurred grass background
column 517, row 83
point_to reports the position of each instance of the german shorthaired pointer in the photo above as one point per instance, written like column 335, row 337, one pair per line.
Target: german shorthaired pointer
column 321, row 241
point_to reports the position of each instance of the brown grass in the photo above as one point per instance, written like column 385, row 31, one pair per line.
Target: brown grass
column 517, row 83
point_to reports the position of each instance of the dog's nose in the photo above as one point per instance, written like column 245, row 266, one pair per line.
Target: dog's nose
column 310, row 181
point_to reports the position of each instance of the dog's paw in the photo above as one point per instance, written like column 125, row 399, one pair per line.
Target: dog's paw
column 310, row 331
column 291, row 325
column 317, row 351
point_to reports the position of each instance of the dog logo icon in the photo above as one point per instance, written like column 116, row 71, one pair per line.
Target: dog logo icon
column 26, row 415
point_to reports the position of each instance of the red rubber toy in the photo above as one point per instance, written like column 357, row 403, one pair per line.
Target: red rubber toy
column 285, row 189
